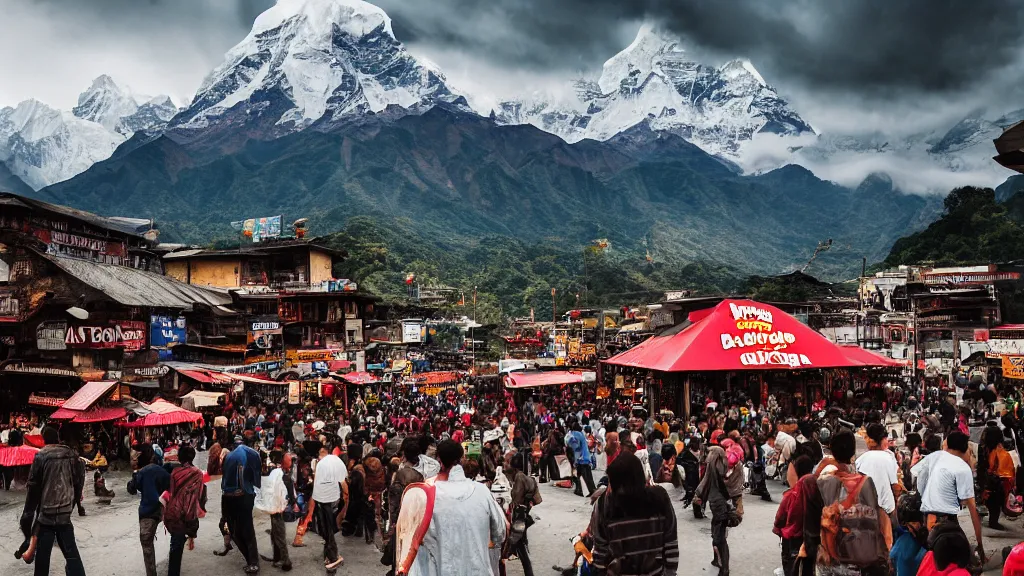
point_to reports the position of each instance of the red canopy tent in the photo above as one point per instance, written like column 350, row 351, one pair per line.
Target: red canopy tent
column 163, row 413
column 359, row 378
column 740, row 335
column 81, row 407
column 17, row 455
column 517, row 380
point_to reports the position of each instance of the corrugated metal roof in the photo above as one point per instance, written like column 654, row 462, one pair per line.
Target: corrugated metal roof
column 132, row 287
column 132, row 226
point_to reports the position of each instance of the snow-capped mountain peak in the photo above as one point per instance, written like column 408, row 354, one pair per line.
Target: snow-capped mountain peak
column 119, row 110
column 314, row 60
column 653, row 81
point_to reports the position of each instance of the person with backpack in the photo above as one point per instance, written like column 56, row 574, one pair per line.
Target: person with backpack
column 525, row 495
column 150, row 482
column 880, row 464
column 715, row 489
column 242, row 476
column 789, row 519
column 844, row 543
column 185, row 504
column 910, row 538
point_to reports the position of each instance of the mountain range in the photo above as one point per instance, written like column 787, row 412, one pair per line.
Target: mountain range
column 321, row 112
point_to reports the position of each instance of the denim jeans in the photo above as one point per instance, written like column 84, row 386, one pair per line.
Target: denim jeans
column 177, row 549
column 64, row 536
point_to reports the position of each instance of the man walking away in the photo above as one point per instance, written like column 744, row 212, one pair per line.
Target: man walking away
column 241, row 478
column 185, row 501
column 584, row 465
column 330, row 497
column 879, row 464
column 465, row 522
column 150, row 481
column 946, row 482
column 525, row 493
column 55, row 483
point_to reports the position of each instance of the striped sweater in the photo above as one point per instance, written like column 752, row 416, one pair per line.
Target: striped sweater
column 635, row 546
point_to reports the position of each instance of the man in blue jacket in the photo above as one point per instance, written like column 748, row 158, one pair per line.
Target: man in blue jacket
column 150, row 481
column 584, row 464
column 241, row 478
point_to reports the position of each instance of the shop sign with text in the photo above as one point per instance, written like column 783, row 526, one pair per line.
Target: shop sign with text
column 758, row 340
column 127, row 334
column 1013, row 367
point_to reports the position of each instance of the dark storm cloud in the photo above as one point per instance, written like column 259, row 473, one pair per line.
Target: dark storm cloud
column 164, row 12
column 859, row 45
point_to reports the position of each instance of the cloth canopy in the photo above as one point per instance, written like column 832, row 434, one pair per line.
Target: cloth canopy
column 737, row 335
column 536, row 379
column 89, row 394
column 202, row 399
column 359, row 378
column 95, row 414
column 869, row 358
column 335, row 365
column 163, row 413
column 17, row 455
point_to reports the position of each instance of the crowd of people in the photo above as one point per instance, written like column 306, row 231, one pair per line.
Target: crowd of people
column 446, row 484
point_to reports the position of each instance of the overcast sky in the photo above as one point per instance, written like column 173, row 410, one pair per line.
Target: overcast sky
column 846, row 66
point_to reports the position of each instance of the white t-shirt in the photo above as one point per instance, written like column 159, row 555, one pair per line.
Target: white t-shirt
column 880, row 466
column 944, row 481
column 330, row 471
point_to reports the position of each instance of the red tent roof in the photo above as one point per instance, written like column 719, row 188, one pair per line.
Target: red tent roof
column 869, row 358
column 17, row 455
column 535, row 379
column 738, row 335
column 163, row 413
column 88, row 394
column 359, row 378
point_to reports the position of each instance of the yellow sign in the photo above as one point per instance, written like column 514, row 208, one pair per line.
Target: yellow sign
column 1013, row 367
column 295, row 356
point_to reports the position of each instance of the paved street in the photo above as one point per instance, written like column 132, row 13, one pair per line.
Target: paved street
column 108, row 539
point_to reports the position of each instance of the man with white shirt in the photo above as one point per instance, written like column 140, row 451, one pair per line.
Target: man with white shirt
column 879, row 464
column 946, row 483
column 330, row 498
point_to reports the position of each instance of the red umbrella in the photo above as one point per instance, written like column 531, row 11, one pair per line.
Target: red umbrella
column 17, row 455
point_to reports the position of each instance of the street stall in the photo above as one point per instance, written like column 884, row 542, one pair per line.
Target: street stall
column 739, row 347
column 163, row 413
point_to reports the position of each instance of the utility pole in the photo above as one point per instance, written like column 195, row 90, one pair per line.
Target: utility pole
column 554, row 314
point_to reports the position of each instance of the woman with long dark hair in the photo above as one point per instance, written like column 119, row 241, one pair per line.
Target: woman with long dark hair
column 633, row 525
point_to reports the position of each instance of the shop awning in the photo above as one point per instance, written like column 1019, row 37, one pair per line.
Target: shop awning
column 252, row 379
column 17, row 455
column 536, row 379
column 335, row 365
column 88, row 395
column 163, row 413
column 869, row 358
column 202, row 399
column 100, row 414
column 737, row 335
column 359, row 378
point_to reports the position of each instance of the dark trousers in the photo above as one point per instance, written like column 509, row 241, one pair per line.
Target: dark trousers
column 585, row 474
column 719, row 531
column 790, row 556
column 522, row 550
column 237, row 511
column 147, row 534
column 327, row 524
column 549, row 469
column 278, row 540
column 177, row 549
column 64, row 536
column 995, row 501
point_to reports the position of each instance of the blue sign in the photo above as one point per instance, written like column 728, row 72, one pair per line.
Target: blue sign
column 165, row 330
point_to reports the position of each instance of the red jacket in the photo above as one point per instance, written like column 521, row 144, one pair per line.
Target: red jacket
column 928, row 568
column 789, row 520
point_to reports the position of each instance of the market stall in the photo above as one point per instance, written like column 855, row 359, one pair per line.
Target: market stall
column 739, row 347
column 164, row 413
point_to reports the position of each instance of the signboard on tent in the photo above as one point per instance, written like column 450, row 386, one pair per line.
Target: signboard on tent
column 1013, row 367
column 264, row 334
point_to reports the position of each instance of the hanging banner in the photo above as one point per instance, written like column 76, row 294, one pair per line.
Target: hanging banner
column 1013, row 367
column 293, row 392
column 127, row 334
column 412, row 333
column 166, row 330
